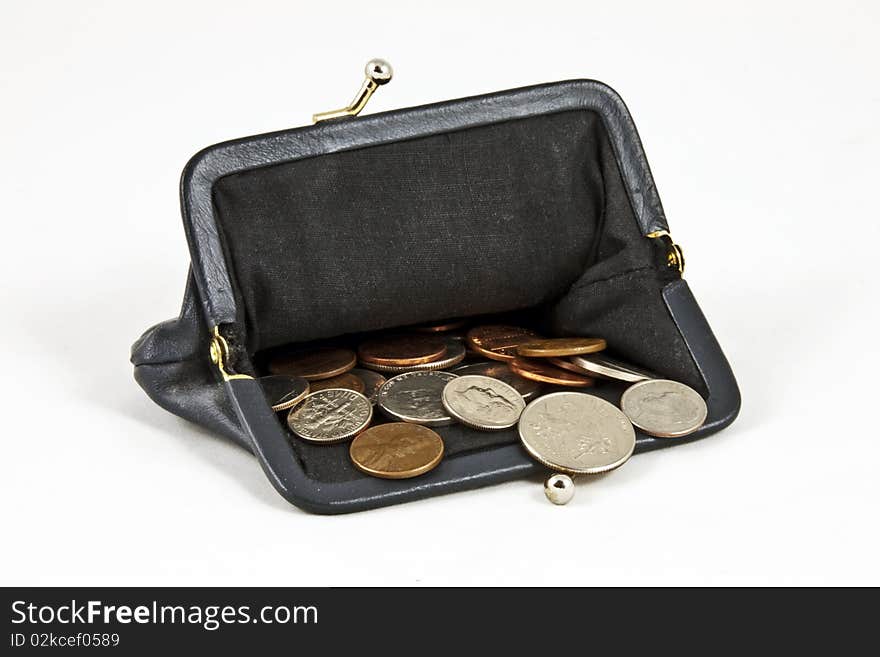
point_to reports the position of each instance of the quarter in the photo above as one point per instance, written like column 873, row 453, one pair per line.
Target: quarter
column 561, row 347
column 283, row 392
column 314, row 364
column 481, row 402
column 416, row 397
column 663, row 408
column 498, row 342
column 576, row 433
column 330, row 416
column 606, row 367
column 402, row 350
column 396, row 450
column 537, row 369
column 499, row 370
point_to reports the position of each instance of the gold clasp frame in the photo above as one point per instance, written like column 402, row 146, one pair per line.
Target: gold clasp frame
column 220, row 356
column 378, row 72
column 674, row 254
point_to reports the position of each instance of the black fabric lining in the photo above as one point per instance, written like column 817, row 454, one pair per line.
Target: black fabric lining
column 526, row 215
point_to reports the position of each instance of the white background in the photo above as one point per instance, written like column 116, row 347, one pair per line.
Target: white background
column 760, row 121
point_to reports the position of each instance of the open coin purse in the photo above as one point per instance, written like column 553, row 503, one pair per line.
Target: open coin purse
column 535, row 203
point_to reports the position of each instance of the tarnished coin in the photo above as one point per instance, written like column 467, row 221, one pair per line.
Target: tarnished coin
column 396, row 450
column 455, row 353
column 348, row 380
column 283, row 392
column 441, row 326
column 330, row 416
column 576, row 433
column 416, row 397
column 402, row 350
column 498, row 342
column 561, row 347
column 314, row 364
column 663, row 408
column 481, row 402
column 606, row 367
column 537, row 369
column 499, row 370
column 372, row 382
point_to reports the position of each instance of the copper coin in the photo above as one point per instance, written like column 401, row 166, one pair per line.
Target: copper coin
column 314, row 364
column 498, row 342
column 561, row 347
column 347, row 380
column 566, row 364
column 283, row 392
column 540, row 370
column 441, row 326
column 373, row 381
column 402, row 350
column 397, row 450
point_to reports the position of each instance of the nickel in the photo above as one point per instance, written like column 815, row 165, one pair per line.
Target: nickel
column 483, row 403
column 499, row 370
column 416, row 397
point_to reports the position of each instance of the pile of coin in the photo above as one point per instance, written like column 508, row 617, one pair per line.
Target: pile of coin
column 513, row 377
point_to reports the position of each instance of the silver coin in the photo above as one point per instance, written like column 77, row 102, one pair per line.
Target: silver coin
column 372, row 382
column 499, row 370
column 481, row 402
column 609, row 368
column 663, row 408
column 283, row 392
column 455, row 353
column 330, row 416
column 416, row 397
column 576, row 433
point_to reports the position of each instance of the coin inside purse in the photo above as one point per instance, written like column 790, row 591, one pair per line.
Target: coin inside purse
column 527, row 218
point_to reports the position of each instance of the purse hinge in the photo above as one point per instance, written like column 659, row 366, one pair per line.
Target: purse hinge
column 220, row 356
column 674, row 253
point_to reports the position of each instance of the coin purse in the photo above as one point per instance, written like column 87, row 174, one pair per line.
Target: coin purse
column 536, row 203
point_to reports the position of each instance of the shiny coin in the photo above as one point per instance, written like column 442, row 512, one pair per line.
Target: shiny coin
column 402, row 350
column 283, row 392
column 663, row 408
column 330, row 416
column 576, row 433
column 314, row 364
column 559, row 488
column 441, row 327
column 499, row 370
column 455, row 353
column 397, row 450
column 416, row 397
column 541, row 370
column 606, row 367
column 348, row 380
column 560, row 347
column 498, row 342
column 372, row 382
column 483, row 403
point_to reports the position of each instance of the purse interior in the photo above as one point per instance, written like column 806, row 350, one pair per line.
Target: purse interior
column 527, row 217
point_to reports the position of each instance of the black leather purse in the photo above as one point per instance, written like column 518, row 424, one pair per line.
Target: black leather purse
column 535, row 201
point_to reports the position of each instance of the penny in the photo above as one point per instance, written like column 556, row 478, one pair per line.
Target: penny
column 416, row 397
column 283, row 392
column 372, row 382
column 330, row 416
column 441, row 326
column 481, row 402
column 540, row 370
column 402, row 350
column 576, row 433
column 455, row 353
column 663, row 408
column 498, row 342
column 561, row 347
column 606, row 367
column 347, row 380
column 396, row 450
column 314, row 364
column 566, row 364
column 499, row 370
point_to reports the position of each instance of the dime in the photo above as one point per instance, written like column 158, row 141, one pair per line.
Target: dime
column 498, row 342
column 348, row 380
column 540, row 370
column 561, row 347
column 402, row 350
column 314, row 364
column 396, row 450
column 330, row 416
column 607, row 367
column 664, row 408
column 576, row 433
column 372, row 382
column 455, row 353
column 283, row 392
column 499, row 370
column 441, row 326
column 481, row 402
column 416, row 397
